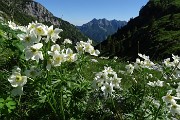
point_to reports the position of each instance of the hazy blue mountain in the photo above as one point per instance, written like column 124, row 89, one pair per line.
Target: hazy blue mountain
column 99, row 29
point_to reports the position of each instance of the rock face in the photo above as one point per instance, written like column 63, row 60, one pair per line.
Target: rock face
column 99, row 29
column 38, row 11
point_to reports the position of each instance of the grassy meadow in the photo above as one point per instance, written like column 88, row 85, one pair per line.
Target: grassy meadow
column 42, row 80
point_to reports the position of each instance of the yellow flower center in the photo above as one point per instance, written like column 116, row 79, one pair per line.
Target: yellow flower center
column 174, row 106
column 51, row 32
column 58, row 59
column 18, row 78
column 33, row 50
column 169, row 97
column 27, row 39
column 40, row 31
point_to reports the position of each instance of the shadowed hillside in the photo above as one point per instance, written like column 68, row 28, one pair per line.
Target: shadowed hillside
column 155, row 32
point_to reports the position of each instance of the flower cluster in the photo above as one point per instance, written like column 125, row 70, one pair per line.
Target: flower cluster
column 107, row 81
column 39, row 42
column 59, row 56
column 82, row 47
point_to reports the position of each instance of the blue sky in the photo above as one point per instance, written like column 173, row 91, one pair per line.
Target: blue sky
column 79, row 12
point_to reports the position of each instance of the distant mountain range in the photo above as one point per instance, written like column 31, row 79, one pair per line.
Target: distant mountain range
column 99, row 29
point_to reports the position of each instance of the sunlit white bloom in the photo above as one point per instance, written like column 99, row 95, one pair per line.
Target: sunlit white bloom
column 67, row 41
column 28, row 39
column 94, row 60
column 40, row 30
column 156, row 83
column 116, row 81
column 143, row 56
column 53, row 33
column 107, row 89
column 17, row 80
column 148, row 64
column 115, row 57
column 176, row 59
column 104, row 58
column 169, row 99
column 108, row 70
column 88, row 47
column 94, row 52
column 106, row 81
column 167, row 63
column 80, row 47
column 152, row 84
column 159, row 83
column 12, row 25
column 54, row 48
column 175, row 109
column 58, row 58
column 33, row 52
column 130, row 68
column 31, row 26
column 70, row 57
column 89, row 41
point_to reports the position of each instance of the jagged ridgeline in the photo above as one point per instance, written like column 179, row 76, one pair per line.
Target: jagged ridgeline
column 155, row 32
column 26, row 11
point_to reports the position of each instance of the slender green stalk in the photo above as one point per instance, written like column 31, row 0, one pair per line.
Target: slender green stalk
column 61, row 106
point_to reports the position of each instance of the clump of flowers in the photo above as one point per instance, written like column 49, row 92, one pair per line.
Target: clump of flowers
column 107, row 81
column 82, row 47
column 39, row 44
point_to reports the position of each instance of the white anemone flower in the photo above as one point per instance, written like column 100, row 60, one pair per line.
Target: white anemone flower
column 88, row 47
column 107, row 89
column 116, row 81
column 17, row 80
column 94, row 52
column 54, row 48
column 40, row 30
column 53, row 33
column 94, row 60
column 175, row 109
column 67, row 41
column 130, row 68
column 167, row 63
column 58, row 58
column 169, row 99
column 70, row 57
column 28, row 39
column 33, row 52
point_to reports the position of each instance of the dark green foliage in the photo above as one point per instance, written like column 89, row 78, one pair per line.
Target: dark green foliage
column 154, row 32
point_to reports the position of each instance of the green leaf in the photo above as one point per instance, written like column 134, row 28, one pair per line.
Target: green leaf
column 1, row 100
column 11, row 105
column 1, row 105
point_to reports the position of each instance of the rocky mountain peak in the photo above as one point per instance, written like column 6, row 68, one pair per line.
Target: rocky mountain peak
column 38, row 11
